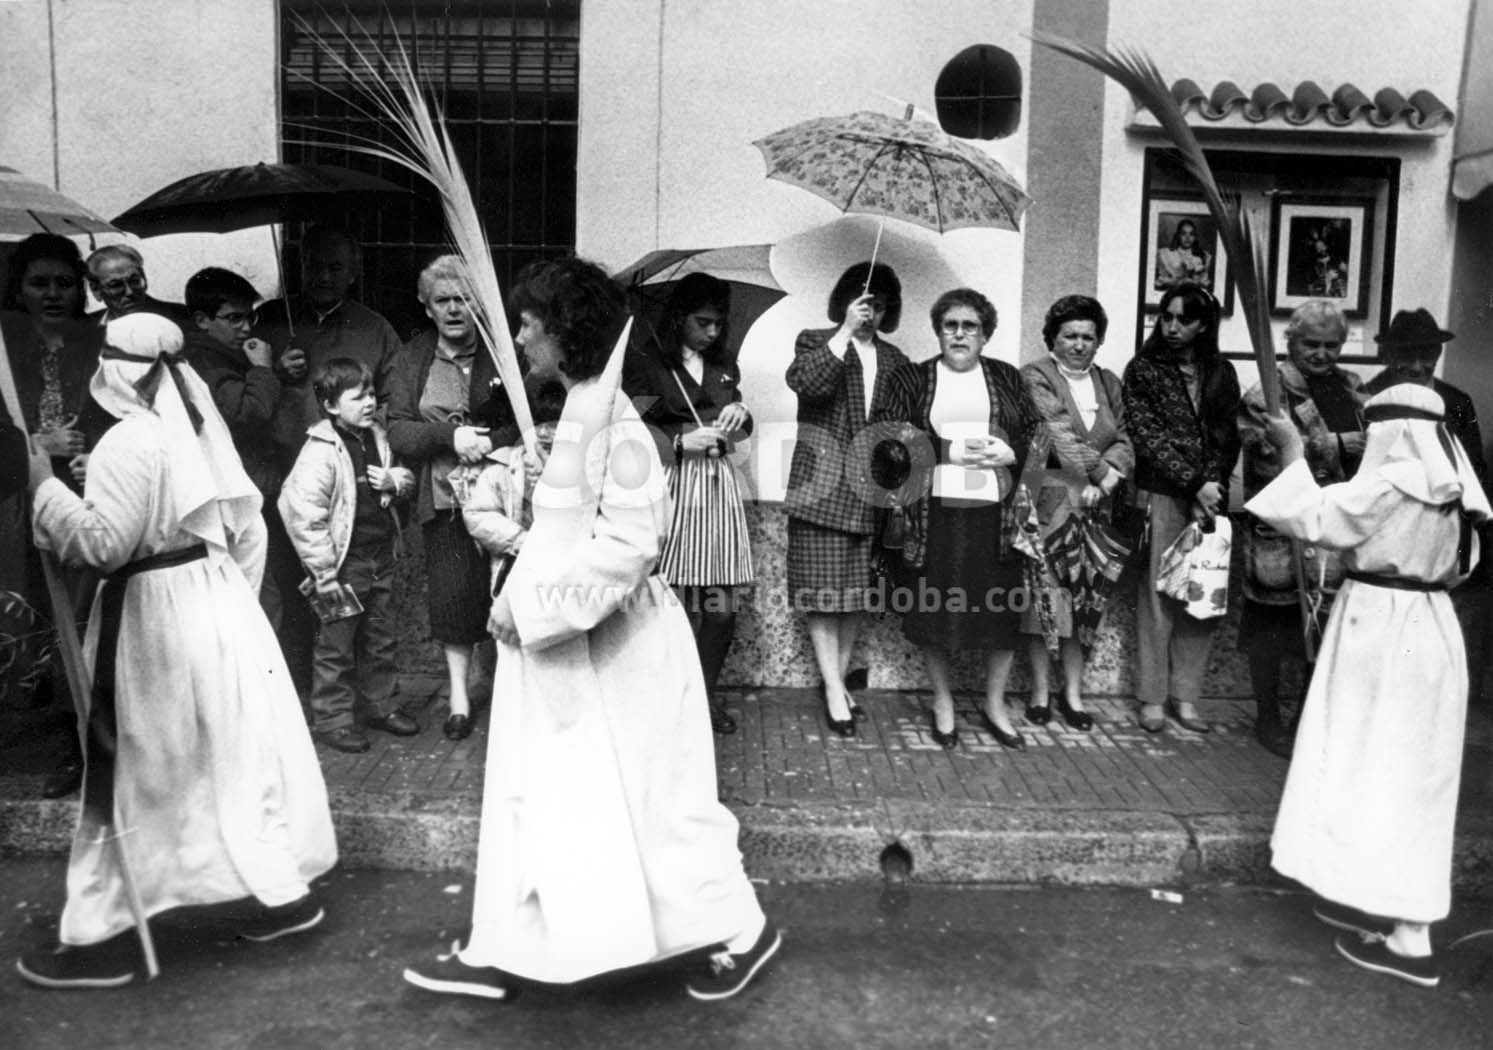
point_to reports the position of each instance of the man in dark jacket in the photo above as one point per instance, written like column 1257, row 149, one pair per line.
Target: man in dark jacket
column 247, row 381
column 116, row 276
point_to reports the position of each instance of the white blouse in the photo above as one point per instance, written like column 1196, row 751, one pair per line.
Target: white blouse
column 961, row 410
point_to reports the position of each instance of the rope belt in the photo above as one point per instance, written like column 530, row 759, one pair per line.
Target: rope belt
column 1398, row 583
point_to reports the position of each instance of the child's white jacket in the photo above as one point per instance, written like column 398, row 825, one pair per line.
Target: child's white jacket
column 320, row 498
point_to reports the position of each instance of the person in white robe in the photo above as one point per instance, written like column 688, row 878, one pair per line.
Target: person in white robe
column 603, row 843
column 215, row 793
column 1367, row 814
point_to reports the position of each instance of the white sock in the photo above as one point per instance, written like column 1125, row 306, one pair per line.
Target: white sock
column 743, row 941
column 1411, row 939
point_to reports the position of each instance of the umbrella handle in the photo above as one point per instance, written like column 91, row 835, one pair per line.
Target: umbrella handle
column 284, row 291
column 875, row 249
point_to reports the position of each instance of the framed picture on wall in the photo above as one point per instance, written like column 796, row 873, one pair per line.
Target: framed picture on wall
column 1319, row 249
column 1182, row 244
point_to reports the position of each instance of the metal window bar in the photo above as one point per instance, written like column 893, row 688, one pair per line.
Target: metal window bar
column 507, row 75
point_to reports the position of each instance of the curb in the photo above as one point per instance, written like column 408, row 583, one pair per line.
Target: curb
column 855, row 842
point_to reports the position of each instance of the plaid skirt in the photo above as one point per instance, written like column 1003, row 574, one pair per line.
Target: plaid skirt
column 456, row 580
column 707, row 544
column 829, row 571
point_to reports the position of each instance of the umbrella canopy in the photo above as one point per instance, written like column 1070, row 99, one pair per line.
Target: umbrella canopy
column 896, row 168
column 652, row 279
column 253, row 195
column 28, row 207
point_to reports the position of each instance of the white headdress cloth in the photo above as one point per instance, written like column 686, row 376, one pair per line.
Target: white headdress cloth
column 1417, row 455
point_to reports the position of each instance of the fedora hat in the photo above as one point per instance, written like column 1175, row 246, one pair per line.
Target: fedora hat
column 1413, row 328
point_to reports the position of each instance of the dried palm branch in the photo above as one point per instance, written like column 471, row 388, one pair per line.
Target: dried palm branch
column 1242, row 240
column 389, row 91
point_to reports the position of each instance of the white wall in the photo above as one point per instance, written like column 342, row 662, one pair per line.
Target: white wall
column 667, row 161
column 1370, row 43
column 146, row 94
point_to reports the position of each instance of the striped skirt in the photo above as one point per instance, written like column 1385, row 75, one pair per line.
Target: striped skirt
column 707, row 544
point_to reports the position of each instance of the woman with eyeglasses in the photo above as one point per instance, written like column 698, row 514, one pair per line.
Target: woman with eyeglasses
column 1181, row 400
column 53, row 353
column 1284, row 598
column 966, row 582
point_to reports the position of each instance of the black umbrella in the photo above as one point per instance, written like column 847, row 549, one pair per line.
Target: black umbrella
column 253, row 195
column 652, row 279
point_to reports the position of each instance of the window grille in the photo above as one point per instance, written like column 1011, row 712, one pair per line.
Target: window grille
column 505, row 73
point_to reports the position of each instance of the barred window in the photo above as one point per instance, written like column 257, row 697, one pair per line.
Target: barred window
column 505, row 73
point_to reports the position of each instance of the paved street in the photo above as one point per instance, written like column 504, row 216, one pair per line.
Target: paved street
column 864, row 966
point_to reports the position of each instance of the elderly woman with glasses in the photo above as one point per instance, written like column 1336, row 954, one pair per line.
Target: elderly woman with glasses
column 979, row 416
column 1287, row 585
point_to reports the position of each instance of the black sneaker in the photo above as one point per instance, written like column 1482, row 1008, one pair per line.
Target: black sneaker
column 450, row 976
column 1372, row 953
column 725, row 974
column 108, row 964
column 1351, row 920
column 273, row 923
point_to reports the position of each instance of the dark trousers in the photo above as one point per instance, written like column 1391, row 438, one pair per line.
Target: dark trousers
column 354, row 657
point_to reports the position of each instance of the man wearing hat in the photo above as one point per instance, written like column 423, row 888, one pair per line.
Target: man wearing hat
column 1367, row 815
column 1411, row 348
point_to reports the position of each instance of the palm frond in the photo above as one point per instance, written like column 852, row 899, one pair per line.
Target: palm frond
column 1137, row 73
column 388, row 87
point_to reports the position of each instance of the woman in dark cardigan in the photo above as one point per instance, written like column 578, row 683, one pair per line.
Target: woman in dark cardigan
column 430, row 410
column 967, row 588
column 1181, row 402
column 687, row 387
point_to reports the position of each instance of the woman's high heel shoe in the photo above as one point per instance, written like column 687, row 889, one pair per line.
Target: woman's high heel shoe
column 1080, row 720
column 1038, row 714
column 842, row 727
column 1186, row 720
column 948, row 741
column 457, row 727
column 1015, row 741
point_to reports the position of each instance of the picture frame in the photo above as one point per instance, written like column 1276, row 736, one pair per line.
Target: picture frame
column 1320, row 249
column 1167, row 257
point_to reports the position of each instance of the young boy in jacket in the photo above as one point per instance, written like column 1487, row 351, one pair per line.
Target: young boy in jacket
column 337, row 504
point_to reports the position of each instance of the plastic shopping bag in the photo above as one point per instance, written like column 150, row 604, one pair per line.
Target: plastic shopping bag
column 1195, row 569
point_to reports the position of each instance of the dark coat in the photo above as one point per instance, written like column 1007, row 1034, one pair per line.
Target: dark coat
column 829, row 417
column 76, row 365
column 1179, row 449
column 649, row 381
column 247, row 396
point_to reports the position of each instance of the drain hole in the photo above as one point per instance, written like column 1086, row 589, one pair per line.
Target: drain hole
column 896, row 863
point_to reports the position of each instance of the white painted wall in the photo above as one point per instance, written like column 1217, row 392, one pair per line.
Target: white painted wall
column 1370, row 43
column 146, row 94
column 672, row 95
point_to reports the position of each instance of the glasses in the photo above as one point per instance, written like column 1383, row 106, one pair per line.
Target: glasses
column 961, row 327
column 238, row 317
column 135, row 282
column 1320, row 344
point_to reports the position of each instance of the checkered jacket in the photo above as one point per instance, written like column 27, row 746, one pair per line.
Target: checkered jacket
column 829, row 416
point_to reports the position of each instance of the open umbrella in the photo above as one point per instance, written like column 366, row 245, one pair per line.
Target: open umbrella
column 905, row 169
column 228, row 199
column 651, row 280
column 19, row 216
column 28, row 207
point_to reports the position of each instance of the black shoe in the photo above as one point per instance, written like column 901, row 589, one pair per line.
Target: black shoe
column 271, row 924
column 1190, row 722
column 1038, row 714
column 1015, row 741
column 457, row 727
column 841, row 727
column 726, row 975
column 721, row 721
column 1351, row 920
column 395, row 722
column 65, row 780
column 1372, row 953
column 108, row 964
column 948, row 741
column 1080, row 720
column 348, row 739
column 858, row 712
column 450, row 976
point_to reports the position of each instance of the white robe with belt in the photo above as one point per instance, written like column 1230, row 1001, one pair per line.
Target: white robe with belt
column 603, row 842
column 217, row 791
column 1370, row 801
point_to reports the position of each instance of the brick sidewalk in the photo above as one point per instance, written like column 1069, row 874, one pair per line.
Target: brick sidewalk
column 1115, row 805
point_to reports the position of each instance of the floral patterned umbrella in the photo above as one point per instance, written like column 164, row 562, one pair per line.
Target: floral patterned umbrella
column 904, row 169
